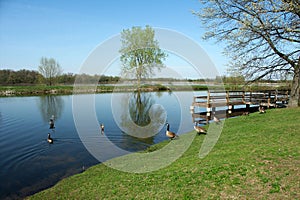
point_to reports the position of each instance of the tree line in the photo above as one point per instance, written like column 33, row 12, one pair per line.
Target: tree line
column 32, row 77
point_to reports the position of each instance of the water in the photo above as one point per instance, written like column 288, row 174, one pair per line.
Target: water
column 29, row 163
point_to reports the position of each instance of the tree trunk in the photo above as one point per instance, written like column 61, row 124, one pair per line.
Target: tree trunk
column 294, row 100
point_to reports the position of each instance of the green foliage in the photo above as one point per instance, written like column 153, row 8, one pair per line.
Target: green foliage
column 23, row 76
column 31, row 77
column 140, row 53
column 94, row 79
column 256, row 157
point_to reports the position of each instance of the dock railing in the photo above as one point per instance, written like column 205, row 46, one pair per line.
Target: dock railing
column 229, row 99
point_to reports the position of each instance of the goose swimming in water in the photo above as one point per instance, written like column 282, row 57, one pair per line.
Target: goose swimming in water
column 102, row 128
column 51, row 122
column 49, row 139
column 199, row 129
column 170, row 134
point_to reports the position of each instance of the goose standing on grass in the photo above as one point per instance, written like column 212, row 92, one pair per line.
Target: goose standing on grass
column 216, row 119
column 199, row 129
column 246, row 113
column 261, row 110
column 170, row 134
column 49, row 139
column 102, row 128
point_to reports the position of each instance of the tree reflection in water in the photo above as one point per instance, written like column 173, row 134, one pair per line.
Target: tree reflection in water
column 141, row 117
column 50, row 105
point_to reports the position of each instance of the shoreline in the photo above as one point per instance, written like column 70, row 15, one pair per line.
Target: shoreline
column 40, row 90
column 205, row 178
column 8, row 91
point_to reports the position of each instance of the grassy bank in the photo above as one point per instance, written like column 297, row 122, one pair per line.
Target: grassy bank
column 256, row 157
column 62, row 89
column 36, row 90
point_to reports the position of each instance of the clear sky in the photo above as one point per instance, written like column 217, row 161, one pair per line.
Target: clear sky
column 69, row 30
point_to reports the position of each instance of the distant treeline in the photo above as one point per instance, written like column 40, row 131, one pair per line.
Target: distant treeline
column 32, row 77
column 23, row 76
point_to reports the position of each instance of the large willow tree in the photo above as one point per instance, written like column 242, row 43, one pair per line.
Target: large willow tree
column 262, row 37
column 140, row 53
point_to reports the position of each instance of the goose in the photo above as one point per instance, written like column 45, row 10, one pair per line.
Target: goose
column 102, row 128
column 199, row 129
column 246, row 113
column 51, row 123
column 170, row 134
column 49, row 139
column 217, row 120
column 261, row 110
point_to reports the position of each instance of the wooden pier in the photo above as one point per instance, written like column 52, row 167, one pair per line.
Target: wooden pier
column 230, row 99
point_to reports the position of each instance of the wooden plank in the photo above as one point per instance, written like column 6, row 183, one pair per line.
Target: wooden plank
column 198, row 104
column 222, row 98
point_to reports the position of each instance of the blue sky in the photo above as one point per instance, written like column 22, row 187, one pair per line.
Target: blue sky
column 69, row 30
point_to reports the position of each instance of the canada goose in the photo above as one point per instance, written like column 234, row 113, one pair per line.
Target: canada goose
column 170, row 134
column 246, row 113
column 261, row 110
column 217, row 120
column 51, row 123
column 102, row 128
column 199, row 129
column 49, row 139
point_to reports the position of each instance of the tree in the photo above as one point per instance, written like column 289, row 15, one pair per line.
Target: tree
column 50, row 69
column 20, row 77
column 262, row 37
column 140, row 53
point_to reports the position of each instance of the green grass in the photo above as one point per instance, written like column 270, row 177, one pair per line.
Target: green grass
column 256, row 157
column 34, row 90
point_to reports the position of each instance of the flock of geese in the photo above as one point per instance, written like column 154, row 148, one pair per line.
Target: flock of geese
column 169, row 134
column 201, row 130
column 198, row 129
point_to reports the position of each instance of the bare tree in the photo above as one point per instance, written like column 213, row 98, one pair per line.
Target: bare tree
column 50, row 69
column 262, row 37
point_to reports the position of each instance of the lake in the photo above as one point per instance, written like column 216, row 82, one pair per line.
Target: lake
column 30, row 164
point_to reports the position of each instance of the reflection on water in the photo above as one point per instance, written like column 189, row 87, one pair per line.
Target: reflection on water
column 140, row 117
column 139, row 106
column 29, row 164
column 50, row 105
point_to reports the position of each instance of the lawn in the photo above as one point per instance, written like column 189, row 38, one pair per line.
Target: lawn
column 256, row 157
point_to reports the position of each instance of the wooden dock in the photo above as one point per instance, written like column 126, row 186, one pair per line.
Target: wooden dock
column 230, row 99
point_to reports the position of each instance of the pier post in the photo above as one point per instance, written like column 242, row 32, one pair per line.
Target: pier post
column 230, row 108
column 208, row 110
column 269, row 99
column 213, row 109
column 247, row 107
column 208, row 107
